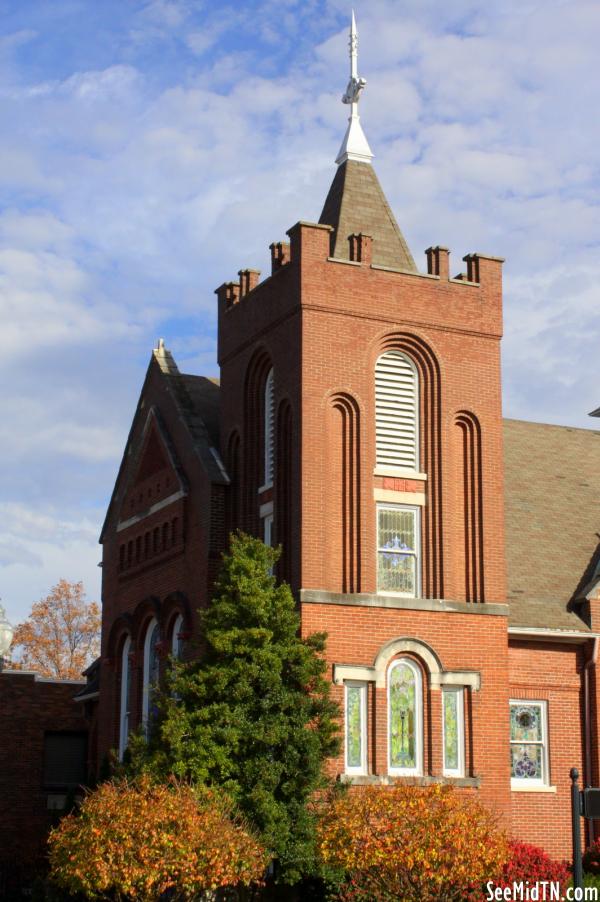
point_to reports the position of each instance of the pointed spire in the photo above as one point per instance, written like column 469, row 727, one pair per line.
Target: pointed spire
column 355, row 145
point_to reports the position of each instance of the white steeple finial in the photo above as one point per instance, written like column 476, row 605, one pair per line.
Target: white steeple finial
column 355, row 145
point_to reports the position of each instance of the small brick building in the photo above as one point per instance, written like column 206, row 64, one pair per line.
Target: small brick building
column 43, row 760
column 449, row 554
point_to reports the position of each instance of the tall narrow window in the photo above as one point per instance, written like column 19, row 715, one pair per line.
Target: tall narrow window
column 528, row 744
column 453, row 731
column 176, row 639
column 356, row 727
column 397, row 411
column 269, row 428
column 151, row 673
column 124, row 698
column 268, row 530
column 398, row 550
column 405, row 718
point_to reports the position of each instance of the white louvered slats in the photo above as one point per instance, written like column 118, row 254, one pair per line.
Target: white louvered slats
column 269, row 428
column 396, row 411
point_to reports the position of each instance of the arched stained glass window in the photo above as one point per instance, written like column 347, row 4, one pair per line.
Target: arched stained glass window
column 269, row 428
column 176, row 640
column 405, row 718
column 151, row 674
column 397, row 411
column 124, row 697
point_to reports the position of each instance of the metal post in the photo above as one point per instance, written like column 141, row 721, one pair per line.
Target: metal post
column 576, row 825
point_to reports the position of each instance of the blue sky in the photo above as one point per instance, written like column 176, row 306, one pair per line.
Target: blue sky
column 151, row 148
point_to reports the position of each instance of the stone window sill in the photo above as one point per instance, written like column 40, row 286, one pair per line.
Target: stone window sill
column 388, row 780
column 522, row 787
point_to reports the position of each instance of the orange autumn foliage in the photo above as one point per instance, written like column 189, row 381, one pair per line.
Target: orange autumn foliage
column 61, row 636
column 136, row 840
column 418, row 844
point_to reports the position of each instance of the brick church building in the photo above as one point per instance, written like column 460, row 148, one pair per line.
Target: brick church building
column 449, row 554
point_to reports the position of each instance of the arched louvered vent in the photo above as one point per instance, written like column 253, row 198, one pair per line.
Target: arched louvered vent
column 269, row 428
column 396, row 411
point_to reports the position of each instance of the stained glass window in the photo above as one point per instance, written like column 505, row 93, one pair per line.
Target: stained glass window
column 124, row 702
column 404, row 717
column 453, row 731
column 151, row 675
column 397, row 544
column 356, row 727
column 528, row 749
column 177, row 640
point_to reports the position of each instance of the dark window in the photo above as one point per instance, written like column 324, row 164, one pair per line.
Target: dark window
column 138, row 549
column 174, row 531
column 156, row 539
column 122, row 557
column 147, row 545
column 165, row 535
column 65, row 759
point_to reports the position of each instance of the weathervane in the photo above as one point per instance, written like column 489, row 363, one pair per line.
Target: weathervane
column 355, row 145
column 356, row 84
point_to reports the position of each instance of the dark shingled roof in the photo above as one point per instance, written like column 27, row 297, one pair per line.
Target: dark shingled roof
column 552, row 475
column 356, row 203
column 197, row 401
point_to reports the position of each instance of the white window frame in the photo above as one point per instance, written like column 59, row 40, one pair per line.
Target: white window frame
column 416, row 771
column 380, row 462
column 362, row 769
column 269, row 438
column 124, row 698
column 177, row 628
column 524, row 782
column 459, row 692
column 417, row 512
column 146, row 673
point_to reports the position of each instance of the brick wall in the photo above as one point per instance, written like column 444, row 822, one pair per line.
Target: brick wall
column 29, row 707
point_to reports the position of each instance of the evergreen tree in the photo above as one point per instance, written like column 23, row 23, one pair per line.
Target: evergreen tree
column 253, row 715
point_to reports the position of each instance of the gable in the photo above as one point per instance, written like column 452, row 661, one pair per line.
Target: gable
column 155, row 477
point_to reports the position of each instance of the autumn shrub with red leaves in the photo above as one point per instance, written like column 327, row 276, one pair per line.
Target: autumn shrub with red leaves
column 591, row 858
column 137, row 840
column 527, row 862
column 418, row 844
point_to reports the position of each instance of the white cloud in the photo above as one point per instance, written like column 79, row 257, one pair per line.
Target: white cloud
column 135, row 183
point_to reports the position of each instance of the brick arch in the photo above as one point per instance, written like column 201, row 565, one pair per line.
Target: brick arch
column 121, row 627
column 469, row 506
column 146, row 610
column 404, row 645
column 174, row 604
column 254, row 426
column 346, row 470
column 430, row 440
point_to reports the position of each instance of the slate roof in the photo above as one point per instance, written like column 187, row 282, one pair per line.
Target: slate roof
column 197, row 401
column 356, row 203
column 552, row 477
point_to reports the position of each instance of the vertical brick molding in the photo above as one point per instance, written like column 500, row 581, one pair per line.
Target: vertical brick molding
column 468, row 545
column 344, row 550
column 438, row 261
column 280, row 255
column 361, row 248
column 248, row 280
